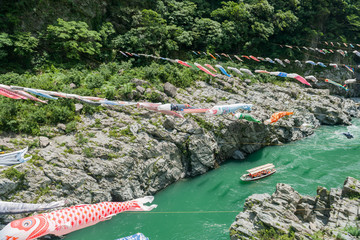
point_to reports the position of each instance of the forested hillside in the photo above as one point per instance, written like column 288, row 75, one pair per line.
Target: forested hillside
column 73, row 46
column 38, row 33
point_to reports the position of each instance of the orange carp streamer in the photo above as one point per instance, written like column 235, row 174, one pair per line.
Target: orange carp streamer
column 276, row 116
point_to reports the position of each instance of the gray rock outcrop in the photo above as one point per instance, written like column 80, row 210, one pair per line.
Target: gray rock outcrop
column 286, row 211
column 124, row 153
column 170, row 89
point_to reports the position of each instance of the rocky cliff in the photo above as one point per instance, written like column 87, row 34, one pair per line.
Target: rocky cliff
column 125, row 153
column 338, row 76
column 333, row 214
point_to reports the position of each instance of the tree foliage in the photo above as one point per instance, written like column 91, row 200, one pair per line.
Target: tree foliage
column 150, row 34
column 73, row 39
column 167, row 27
column 5, row 42
column 78, row 45
column 25, row 44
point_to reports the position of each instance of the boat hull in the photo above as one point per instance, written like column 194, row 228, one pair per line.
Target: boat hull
column 246, row 177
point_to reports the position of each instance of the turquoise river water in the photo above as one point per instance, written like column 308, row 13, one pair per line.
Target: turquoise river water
column 204, row 207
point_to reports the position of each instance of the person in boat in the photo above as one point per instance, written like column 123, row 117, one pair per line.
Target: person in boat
column 258, row 172
column 348, row 135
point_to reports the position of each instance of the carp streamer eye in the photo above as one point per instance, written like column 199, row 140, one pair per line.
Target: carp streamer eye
column 27, row 223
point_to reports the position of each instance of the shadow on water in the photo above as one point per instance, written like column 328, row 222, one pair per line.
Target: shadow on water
column 201, row 183
column 217, row 186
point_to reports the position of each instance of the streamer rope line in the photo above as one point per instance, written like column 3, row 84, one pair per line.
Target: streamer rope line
column 325, row 61
column 233, row 211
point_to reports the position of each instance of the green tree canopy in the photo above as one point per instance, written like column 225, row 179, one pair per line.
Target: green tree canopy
column 5, row 42
column 150, row 34
column 72, row 39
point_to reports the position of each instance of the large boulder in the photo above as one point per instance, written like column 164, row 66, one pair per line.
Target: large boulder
column 286, row 210
column 170, row 89
column 351, row 188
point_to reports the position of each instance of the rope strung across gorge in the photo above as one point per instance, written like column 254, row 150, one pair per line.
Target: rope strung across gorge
column 324, row 60
column 292, row 144
column 301, row 48
column 209, row 212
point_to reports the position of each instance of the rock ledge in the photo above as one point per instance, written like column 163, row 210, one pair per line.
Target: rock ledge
column 286, row 212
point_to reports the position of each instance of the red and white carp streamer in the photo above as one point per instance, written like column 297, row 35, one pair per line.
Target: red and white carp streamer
column 204, row 69
column 70, row 219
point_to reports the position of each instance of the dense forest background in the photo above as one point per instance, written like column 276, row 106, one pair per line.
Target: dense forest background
column 34, row 33
column 73, row 46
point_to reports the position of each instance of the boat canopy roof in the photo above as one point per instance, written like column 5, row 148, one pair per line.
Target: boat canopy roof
column 261, row 168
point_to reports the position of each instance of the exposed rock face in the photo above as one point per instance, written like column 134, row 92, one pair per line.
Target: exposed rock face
column 285, row 210
column 44, row 142
column 338, row 76
column 125, row 153
column 170, row 89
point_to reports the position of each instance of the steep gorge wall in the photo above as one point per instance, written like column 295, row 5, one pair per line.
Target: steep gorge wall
column 125, row 153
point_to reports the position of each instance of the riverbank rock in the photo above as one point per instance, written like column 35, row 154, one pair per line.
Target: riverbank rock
column 170, row 89
column 286, row 212
column 123, row 153
column 44, row 141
